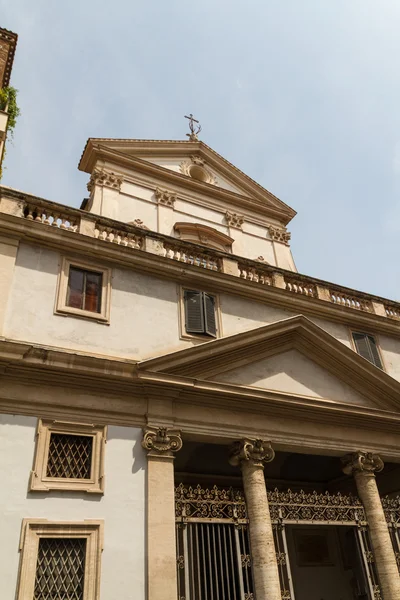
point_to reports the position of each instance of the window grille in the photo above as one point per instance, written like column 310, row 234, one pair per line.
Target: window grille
column 70, row 456
column 60, row 569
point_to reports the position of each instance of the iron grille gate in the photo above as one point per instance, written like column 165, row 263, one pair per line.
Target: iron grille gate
column 213, row 549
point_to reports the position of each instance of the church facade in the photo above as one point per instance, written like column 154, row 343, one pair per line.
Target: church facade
column 184, row 416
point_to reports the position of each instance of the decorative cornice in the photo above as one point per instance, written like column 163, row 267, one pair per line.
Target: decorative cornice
column 106, row 179
column 165, row 197
column 234, row 220
column 362, row 462
column 161, row 441
column 279, row 235
column 255, row 451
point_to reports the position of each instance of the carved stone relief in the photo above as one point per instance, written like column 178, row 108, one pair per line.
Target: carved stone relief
column 165, row 197
column 106, row 179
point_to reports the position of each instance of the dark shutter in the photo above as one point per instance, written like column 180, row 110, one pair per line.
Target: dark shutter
column 194, row 312
column 367, row 348
column 209, row 314
column 376, row 359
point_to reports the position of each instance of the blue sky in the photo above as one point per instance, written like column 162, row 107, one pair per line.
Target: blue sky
column 302, row 95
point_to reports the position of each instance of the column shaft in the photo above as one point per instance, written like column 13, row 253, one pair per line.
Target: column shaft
column 263, row 554
column 251, row 455
column 385, row 558
column 363, row 465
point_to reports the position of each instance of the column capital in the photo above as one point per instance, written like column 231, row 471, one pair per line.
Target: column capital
column 161, row 442
column 362, row 462
column 258, row 452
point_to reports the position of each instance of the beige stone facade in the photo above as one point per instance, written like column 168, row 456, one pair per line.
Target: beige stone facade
column 144, row 336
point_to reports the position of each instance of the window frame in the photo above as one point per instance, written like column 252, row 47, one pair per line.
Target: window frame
column 378, row 347
column 34, row 529
column 203, row 337
column 61, row 307
column 40, row 482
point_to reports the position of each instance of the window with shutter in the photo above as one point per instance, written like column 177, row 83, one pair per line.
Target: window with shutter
column 200, row 315
column 366, row 347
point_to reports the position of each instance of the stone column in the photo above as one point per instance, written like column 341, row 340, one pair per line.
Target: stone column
column 161, row 444
column 363, row 465
column 251, row 455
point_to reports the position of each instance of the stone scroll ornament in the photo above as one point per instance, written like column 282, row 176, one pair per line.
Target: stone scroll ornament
column 362, row 462
column 161, row 441
column 256, row 451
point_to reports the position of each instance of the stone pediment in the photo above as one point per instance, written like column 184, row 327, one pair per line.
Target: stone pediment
column 186, row 161
column 294, row 357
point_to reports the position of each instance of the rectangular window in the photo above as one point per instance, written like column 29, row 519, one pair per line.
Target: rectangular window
column 60, row 560
column 69, row 456
column 200, row 313
column 367, row 347
column 84, row 290
column 60, row 568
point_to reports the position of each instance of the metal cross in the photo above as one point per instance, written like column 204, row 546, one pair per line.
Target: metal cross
column 193, row 133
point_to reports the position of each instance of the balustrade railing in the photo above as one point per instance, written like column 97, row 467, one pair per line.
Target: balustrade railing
column 349, row 301
column 115, row 236
column 393, row 312
column 48, row 216
column 257, row 274
column 300, row 286
column 192, row 256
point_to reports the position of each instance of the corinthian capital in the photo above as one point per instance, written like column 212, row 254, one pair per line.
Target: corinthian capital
column 258, row 452
column 161, row 441
column 362, row 462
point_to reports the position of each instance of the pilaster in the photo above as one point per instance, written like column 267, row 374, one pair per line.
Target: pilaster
column 161, row 444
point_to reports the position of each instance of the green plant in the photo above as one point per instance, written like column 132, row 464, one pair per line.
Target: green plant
column 8, row 100
column 8, row 96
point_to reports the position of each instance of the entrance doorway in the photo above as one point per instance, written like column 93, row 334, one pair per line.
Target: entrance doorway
column 326, row 563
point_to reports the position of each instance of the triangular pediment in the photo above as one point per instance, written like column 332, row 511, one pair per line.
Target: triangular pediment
column 176, row 158
column 292, row 372
column 293, row 356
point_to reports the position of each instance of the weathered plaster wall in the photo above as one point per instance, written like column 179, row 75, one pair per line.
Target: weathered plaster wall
column 122, row 507
column 294, row 373
column 144, row 314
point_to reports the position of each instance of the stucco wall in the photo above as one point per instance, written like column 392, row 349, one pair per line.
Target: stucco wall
column 144, row 314
column 294, row 373
column 122, row 507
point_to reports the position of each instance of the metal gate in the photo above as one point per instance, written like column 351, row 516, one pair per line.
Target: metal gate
column 213, row 549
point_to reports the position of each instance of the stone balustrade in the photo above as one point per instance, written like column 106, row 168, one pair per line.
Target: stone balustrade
column 50, row 214
column 116, row 236
column 258, row 274
column 300, row 286
column 350, row 301
column 192, row 255
column 53, row 217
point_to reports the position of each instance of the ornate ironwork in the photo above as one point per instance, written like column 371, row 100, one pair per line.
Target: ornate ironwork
column 209, row 503
column 391, row 507
column 302, row 506
column 246, row 560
